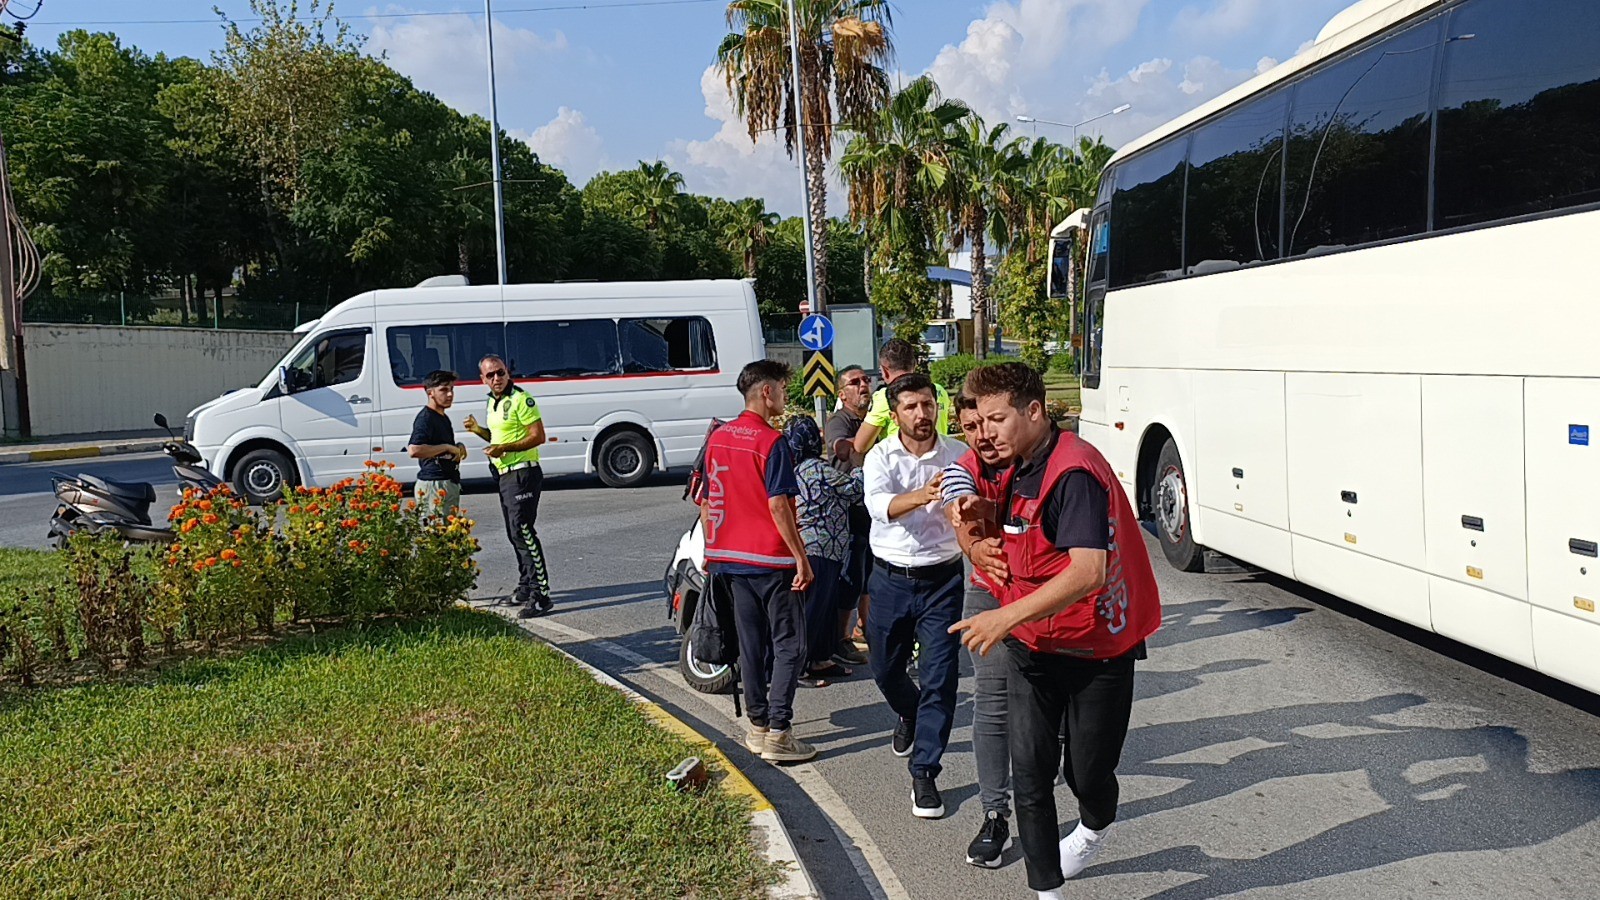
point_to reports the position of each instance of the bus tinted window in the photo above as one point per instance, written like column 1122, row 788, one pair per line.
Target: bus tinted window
column 666, row 345
column 1358, row 146
column 1519, row 110
column 1235, row 179
column 1147, row 216
column 416, row 350
column 564, row 348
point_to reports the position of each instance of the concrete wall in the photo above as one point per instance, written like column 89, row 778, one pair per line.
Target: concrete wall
column 106, row 378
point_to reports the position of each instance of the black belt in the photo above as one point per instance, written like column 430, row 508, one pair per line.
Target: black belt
column 935, row 572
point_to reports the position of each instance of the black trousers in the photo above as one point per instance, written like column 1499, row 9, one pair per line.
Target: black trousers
column 1091, row 702
column 519, row 503
column 771, row 620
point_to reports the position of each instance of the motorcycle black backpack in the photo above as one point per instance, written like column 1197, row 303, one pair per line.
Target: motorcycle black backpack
column 713, row 634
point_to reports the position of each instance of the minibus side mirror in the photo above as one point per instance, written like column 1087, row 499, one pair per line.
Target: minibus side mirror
column 285, row 387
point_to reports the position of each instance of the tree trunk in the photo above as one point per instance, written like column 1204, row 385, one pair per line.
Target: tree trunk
column 463, row 255
column 980, row 289
column 187, row 295
column 817, row 172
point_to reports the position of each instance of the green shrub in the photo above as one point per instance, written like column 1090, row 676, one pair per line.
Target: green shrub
column 952, row 370
column 1035, row 357
column 1062, row 362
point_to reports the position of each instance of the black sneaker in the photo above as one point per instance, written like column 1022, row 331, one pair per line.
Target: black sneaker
column 905, row 734
column 925, row 800
column 991, row 841
column 535, row 606
column 544, row 605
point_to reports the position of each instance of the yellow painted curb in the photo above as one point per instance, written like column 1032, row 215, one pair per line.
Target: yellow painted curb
column 735, row 782
column 63, row 453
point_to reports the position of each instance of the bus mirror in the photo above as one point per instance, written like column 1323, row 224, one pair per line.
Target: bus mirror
column 284, row 387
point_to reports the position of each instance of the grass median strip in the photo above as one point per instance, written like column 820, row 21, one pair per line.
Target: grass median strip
column 446, row 756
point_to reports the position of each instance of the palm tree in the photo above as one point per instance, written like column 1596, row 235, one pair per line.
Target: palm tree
column 981, row 198
column 896, row 167
column 654, row 196
column 746, row 228
column 844, row 47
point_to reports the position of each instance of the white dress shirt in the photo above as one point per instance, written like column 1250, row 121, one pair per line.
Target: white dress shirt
column 922, row 537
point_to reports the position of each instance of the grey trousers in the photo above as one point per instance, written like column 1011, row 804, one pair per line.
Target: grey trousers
column 989, row 733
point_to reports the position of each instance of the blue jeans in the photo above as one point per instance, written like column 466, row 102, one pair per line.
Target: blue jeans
column 989, row 732
column 907, row 611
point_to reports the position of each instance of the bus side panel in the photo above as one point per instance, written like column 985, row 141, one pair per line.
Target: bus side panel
column 1563, row 453
column 1240, row 467
column 1355, row 489
column 1476, row 513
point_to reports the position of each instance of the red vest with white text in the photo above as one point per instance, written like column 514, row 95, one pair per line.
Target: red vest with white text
column 1125, row 610
column 739, row 526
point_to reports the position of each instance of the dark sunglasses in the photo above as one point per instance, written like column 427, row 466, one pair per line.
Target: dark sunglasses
column 497, row 373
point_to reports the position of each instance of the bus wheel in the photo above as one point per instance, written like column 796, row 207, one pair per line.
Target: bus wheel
column 625, row 459
column 1170, row 498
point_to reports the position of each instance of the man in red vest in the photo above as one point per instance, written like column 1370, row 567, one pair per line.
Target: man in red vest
column 755, row 552
column 1078, row 599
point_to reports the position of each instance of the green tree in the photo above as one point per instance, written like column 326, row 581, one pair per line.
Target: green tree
column 844, row 48
column 980, row 197
column 654, row 194
column 745, row 227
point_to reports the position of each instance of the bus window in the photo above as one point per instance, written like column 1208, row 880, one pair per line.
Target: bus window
column 1147, row 216
column 1519, row 111
column 1359, row 137
column 1235, row 180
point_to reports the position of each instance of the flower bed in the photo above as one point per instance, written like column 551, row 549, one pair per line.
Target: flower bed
column 355, row 550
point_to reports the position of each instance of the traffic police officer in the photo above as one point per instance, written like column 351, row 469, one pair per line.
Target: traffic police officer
column 898, row 357
column 516, row 429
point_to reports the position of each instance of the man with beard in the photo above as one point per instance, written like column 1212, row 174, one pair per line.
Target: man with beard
column 915, row 584
column 1078, row 599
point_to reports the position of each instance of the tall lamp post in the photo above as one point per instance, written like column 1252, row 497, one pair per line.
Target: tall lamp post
column 494, row 149
column 814, row 302
column 1076, row 125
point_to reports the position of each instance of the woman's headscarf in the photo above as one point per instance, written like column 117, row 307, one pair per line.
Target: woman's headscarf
column 804, row 439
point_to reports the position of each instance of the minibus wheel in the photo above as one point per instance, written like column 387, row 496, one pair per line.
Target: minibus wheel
column 261, row 474
column 1170, row 498
column 625, row 459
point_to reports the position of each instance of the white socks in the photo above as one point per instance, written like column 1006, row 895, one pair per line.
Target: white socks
column 1051, row 895
column 1084, row 833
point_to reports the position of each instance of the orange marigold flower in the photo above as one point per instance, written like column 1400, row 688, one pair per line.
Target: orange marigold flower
column 411, row 504
column 294, row 510
column 384, row 553
column 210, row 519
column 200, row 566
column 204, row 504
column 211, row 561
column 237, row 563
column 190, row 526
column 355, row 545
column 230, row 553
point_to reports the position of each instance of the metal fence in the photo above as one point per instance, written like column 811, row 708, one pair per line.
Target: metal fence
column 126, row 309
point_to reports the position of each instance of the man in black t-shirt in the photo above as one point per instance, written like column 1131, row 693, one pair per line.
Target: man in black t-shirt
column 855, row 398
column 433, row 440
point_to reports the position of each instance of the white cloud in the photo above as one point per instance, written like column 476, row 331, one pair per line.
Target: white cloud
column 569, row 143
column 728, row 164
column 1223, row 18
column 1014, row 50
column 1158, row 91
column 1265, row 64
column 445, row 55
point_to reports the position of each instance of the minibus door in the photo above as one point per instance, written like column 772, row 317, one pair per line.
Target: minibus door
column 331, row 389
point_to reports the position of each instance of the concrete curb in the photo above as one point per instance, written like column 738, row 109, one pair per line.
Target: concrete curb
column 81, row 451
column 772, row 838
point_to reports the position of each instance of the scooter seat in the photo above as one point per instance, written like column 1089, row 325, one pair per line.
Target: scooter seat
column 139, row 492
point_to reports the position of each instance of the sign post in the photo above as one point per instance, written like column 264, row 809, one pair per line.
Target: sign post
column 818, row 375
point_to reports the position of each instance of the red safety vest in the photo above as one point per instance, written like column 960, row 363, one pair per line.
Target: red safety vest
column 989, row 489
column 740, row 529
column 1111, row 621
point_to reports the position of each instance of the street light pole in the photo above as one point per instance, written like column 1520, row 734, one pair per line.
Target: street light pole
column 494, row 150
column 1076, row 125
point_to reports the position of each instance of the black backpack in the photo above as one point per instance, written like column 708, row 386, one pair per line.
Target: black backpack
column 696, row 488
column 713, row 633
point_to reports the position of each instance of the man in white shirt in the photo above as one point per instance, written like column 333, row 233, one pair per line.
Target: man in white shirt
column 916, row 583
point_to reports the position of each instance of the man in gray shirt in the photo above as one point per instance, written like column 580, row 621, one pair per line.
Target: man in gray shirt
column 855, row 398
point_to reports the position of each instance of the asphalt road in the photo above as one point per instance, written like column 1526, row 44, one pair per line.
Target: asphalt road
column 1284, row 744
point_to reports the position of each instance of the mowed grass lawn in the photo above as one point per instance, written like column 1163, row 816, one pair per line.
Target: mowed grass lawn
column 447, row 757
column 1063, row 386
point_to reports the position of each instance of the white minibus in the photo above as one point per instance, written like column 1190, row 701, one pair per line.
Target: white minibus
column 1341, row 323
column 627, row 375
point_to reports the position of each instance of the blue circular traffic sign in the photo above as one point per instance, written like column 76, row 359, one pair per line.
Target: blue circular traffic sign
column 816, row 332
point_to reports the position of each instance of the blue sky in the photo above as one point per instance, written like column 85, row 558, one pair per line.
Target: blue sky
column 603, row 88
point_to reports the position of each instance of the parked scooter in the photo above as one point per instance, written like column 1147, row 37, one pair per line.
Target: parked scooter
column 186, row 463
column 94, row 505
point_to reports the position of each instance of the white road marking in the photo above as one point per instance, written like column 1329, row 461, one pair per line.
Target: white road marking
column 868, row 860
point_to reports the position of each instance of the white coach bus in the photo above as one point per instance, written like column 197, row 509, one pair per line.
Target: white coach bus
column 1343, row 323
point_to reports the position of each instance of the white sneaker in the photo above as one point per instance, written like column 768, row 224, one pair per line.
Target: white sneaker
column 1079, row 849
column 1051, row 895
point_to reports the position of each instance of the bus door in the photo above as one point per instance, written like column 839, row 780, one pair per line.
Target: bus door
column 1091, row 332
